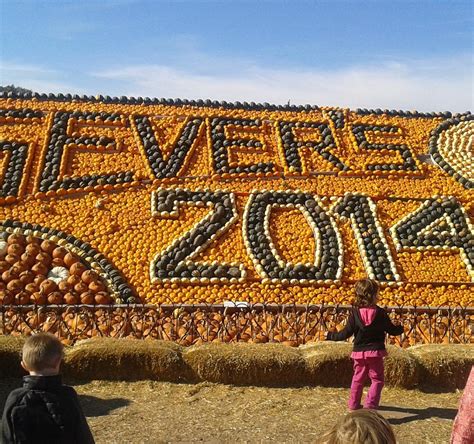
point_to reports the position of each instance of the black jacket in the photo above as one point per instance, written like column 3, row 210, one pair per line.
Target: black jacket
column 367, row 337
column 44, row 411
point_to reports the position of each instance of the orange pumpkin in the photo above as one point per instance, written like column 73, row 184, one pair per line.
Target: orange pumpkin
column 39, row 278
column 31, row 288
column 27, row 277
column 96, row 286
column 32, row 240
column 19, row 267
column 102, row 298
column 44, row 258
column 69, row 259
column 15, row 249
column 33, row 249
column 57, row 262
column 40, row 269
column 71, row 299
column 65, row 286
column 88, row 276
column 48, row 286
column 55, row 298
column 12, row 258
column 48, row 246
column 73, row 280
column 15, row 285
column 38, row 298
column 16, row 239
column 87, row 298
column 8, row 275
column 22, row 298
column 80, row 287
column 77, row 268
column 4, row 266
column 6, row 298
column 28, row 258
column 59, row 252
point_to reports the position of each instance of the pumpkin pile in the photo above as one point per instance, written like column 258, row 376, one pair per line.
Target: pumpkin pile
column 39, row 271
column 182, row 202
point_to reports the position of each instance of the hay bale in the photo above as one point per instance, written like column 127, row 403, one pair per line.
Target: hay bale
column 124, row 359
column 328, row 363
column 273, row 365
column 444, row 367
column 401, row 368
column 10, row 356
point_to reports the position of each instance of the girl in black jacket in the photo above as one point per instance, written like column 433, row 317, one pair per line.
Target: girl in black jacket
column 368, row 323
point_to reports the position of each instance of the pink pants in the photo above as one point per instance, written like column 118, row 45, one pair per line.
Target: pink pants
column 463, row 427
column 373, row 367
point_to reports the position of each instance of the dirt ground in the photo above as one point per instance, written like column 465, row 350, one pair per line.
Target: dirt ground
column 158, row 412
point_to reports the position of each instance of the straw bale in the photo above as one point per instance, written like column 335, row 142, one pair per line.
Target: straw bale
column 328, row 363
column 271, row 365
column 444, row 367
column 124, row 359
column 10, row 356
column 401, row 368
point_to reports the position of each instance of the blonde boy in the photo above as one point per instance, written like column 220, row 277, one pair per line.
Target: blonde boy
column 360, row 427
column 43, row 410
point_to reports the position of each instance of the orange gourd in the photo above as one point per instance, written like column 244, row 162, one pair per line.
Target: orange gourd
column 71, row 299
column 48, row 246
column 6, row 298
column 27, row 277
column 88, row 276
column 48, row 286
column 38, row 298
column 21, row 298
column 55, row 298
column 69, row 259
column 16, row 239
column 102, row 298
column 40, row 269
column 87, row 298
column 14, row 285
column 77, row 269
column 96, row 286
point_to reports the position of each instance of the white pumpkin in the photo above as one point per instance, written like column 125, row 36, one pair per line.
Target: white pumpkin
column 58, row 274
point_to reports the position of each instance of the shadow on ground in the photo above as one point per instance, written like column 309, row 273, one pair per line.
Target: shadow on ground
column 412, row 414
column 93, row 406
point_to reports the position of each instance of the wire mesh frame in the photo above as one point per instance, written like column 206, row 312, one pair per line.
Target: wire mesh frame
column 258, row 323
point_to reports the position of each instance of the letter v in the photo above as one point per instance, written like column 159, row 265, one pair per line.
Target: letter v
column 170, row 165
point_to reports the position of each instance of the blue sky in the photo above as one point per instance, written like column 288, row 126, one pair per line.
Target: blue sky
column 387, row 54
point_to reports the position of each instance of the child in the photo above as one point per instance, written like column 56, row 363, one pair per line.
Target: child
column 463, row 426
column 368, row 323
column 43, row 410
column 360, row 427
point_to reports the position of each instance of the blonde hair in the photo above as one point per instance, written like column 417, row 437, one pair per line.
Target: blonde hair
column 360, row 427
column 366, row 292
column 41, row 351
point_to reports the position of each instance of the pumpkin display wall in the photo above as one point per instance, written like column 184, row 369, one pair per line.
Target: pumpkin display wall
column 114, row 200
